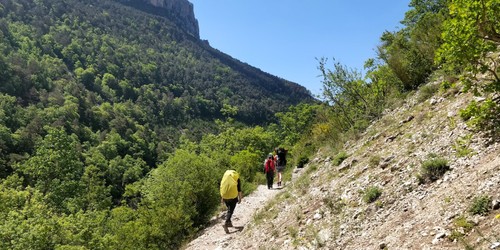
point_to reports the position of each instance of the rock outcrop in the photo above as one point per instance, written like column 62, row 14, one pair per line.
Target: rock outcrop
column 180, row 12
column 181, row 9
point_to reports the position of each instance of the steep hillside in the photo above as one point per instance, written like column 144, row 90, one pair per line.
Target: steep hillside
column 101, row 67
column 153, row 45
column 379, row 198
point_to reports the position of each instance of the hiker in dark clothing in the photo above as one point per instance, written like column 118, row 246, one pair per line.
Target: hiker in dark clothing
column 281, row 163
column 269, row 169
column 230, row 192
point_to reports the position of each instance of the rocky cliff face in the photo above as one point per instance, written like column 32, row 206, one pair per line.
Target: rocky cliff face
column 181, row 9
column 178, row 11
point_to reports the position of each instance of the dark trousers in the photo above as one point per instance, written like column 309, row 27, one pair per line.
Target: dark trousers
column 270, row 178
column 231, row 205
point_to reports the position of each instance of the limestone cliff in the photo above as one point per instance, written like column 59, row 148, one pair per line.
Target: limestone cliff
column 178, row 11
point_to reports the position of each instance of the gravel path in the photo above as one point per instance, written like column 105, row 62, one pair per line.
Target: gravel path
column 214, row 237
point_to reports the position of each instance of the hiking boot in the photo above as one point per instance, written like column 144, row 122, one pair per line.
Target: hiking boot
column 228, row 224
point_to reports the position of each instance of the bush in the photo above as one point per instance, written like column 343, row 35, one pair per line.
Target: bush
column 293, row 231
column 461, row 146
column 303, row 160
column 480, row 205
column 462, row 222
column 462, row 227
column 339, row 158
column 420, row 179
column 483, row 116
column 247, row 163
column 371, row 194
column 260, row 178
column 427, row 91
column 335, row 205
column 434, row 168
column 311, row 169
column 374, row 160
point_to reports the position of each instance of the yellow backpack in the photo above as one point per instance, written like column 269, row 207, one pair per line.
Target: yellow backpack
column 229, row 185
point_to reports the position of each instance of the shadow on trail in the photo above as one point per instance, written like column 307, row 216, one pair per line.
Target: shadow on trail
column 236, row 229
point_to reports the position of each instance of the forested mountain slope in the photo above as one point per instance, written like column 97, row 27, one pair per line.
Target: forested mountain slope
column 100, row 66
column 101, row 107
column 117, row 54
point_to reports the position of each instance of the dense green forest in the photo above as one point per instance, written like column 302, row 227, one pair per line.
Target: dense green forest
column 115, row 125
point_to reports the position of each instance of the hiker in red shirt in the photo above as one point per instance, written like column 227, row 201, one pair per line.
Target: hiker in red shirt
column 269, row 169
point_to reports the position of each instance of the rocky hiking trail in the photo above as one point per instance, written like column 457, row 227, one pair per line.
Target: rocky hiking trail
column 326, row 209
column 214, row 236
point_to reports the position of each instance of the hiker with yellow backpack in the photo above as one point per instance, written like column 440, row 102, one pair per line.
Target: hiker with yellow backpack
column 230, row 192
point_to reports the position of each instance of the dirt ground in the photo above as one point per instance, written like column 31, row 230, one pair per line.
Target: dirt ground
column 215, row 237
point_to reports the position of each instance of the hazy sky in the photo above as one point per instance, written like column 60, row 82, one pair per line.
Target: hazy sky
column 284, row 37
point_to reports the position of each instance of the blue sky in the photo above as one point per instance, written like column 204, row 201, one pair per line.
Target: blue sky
column 284, row 37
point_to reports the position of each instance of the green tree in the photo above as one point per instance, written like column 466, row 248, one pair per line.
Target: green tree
column 96, row 195
column 347, row 92
column 124, row 171
column 83, row 230
column 471, row 32
column 183, row 193
column 198, row 177
column 410, row 51
column 471, row 35
column 384, row 82
column 7, row 121
column 26, row 222
column 56, row 168
column 296, row 122
column 86, row 77
column 247, row 164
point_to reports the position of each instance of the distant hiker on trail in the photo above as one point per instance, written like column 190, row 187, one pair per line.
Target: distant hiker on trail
column 269, row 169
column 275, row 157
column 230, row 192
column 281, row 163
